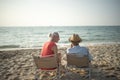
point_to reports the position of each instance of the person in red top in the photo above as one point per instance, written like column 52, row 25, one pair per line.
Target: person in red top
column 50, row 48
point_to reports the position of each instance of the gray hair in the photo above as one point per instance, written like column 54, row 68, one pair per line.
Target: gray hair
column 52, row 34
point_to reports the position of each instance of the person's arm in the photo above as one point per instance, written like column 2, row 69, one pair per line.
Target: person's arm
column 55, row 50
column 89, row 55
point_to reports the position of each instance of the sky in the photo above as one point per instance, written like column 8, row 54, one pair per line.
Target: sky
column 59, row 12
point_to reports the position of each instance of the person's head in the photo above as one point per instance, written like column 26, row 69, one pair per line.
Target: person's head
column 75, row 39
column 54, row 36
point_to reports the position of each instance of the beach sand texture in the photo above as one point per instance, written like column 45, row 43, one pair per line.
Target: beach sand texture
column 18, row 64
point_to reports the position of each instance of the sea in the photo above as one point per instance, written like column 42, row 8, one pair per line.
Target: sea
column 35, row 36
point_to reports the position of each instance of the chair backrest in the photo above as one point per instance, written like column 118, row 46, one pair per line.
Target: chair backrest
column 45, row 62
column 77, row 60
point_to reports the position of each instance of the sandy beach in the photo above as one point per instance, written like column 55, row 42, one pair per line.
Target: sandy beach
column 17, row 64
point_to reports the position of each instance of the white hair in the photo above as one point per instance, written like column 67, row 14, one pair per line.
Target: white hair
column 52, row 34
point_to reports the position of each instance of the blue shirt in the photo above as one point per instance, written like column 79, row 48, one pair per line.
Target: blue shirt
column 81, row 51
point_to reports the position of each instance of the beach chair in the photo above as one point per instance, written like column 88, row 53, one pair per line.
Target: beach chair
column 46, row 62
column 81, row 63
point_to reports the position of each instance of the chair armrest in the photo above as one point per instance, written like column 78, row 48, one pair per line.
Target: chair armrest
column 47, row 55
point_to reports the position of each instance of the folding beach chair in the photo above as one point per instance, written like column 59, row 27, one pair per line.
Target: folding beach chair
column 46, row 62
column 78, row 62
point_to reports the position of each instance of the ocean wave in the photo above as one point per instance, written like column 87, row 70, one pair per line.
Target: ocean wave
column 10, row 46
column 30, row 37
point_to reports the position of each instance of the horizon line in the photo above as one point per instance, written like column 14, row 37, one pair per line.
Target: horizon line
column 58, row 25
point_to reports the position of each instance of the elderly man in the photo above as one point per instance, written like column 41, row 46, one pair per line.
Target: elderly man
column 76, row 48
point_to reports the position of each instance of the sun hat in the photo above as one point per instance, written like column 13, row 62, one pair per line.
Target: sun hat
column 75, row 38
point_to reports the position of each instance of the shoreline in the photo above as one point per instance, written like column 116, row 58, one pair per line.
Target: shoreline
column 63, row 46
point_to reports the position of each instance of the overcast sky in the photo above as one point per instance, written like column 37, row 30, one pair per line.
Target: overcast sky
column 59, row 12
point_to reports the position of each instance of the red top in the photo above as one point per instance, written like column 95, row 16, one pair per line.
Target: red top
column 47, row 49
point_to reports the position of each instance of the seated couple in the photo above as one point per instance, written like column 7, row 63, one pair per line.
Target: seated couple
column 50, row 47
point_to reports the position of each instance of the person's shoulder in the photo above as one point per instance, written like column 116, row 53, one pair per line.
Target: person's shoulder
column 84, row 48
column 52, row 43
column 69, row 49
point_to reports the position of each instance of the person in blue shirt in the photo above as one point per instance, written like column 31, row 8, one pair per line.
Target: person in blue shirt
column 76, row 48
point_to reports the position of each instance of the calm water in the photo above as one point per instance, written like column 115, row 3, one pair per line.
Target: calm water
column 31, row 37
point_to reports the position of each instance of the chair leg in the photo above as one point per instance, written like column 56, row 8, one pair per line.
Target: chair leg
column 90, row 74
column 37, row 75
column 58, row 74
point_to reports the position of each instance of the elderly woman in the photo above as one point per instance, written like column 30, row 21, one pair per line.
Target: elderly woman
column 76, row 48
column 50, row 48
